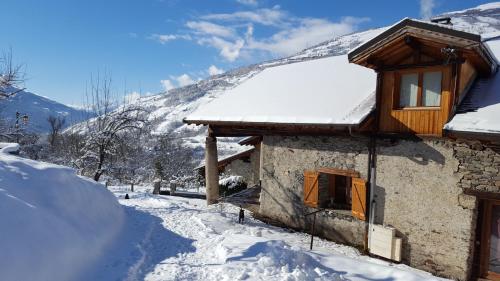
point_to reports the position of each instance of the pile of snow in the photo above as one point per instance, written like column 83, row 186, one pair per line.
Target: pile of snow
column 482, row 105
column 231, row 181
column 9, row 148
column 312, row 92
column 54, row 224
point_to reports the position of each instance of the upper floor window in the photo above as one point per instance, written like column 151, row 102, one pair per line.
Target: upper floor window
column 420, row 89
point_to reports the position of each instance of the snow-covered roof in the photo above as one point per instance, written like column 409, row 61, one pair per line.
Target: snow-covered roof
column 327, row 91
column 480, row 110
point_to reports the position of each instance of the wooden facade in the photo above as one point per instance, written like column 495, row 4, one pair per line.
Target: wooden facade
column 414, row 120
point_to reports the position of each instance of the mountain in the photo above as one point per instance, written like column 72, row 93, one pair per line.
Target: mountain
column 38, row 109
column 168, row 109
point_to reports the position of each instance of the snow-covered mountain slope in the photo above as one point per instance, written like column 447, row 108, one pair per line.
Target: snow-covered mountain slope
column 38, row 109
column 168, row 109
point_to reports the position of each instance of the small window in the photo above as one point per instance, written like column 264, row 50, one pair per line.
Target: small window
column 336, row 189
column 335, row 192
column 421, row 89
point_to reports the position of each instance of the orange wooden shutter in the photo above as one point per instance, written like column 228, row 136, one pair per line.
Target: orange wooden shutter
column 358, row 192
column 311, row 188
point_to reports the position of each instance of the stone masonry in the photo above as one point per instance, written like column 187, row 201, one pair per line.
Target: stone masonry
column 480, row 166
column 419, row 191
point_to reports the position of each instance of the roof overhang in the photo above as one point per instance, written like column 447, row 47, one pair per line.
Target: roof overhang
column 242, row 129
column 470, row 44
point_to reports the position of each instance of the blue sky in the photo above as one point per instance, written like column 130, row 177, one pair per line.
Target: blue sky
column 150, row 46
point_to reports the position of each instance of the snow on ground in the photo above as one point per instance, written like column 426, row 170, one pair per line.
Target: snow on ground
column 54, row 224
column 175, row 238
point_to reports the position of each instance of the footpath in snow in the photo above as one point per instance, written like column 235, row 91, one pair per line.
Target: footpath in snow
column 172, row 238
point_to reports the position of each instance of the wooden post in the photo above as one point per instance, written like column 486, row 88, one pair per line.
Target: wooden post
column 211, row 171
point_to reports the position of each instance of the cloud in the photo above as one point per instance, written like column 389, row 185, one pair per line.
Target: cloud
column 253, row 3
column 213, row 70
column 426, row 7
column 184, row 80
column 167, row 85
column 227, row 49
column 164, row 38
column 132, row 97
column 268, row 17
column 176, row 82
column 208, row 28
column 237, row 35
column 308, row 32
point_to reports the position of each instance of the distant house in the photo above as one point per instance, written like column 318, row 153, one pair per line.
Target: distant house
column 397, row 144
column 245, row 164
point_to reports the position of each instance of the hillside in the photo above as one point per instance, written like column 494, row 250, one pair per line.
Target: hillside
column 169, row 109
column 38, row 109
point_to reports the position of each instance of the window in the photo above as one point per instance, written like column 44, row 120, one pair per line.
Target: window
column 431, row 89
column 336, row 189
column 420, row 89
column 409, row 90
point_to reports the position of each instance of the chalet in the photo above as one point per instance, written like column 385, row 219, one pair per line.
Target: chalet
column 396, row 144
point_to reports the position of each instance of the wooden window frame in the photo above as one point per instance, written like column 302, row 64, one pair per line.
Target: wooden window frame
column 359, row 200
column 420, row 73
column 485, row 242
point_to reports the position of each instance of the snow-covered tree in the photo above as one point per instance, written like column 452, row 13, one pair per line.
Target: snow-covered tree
column 172, row 160
column 104, row 132
column 56, row 125
column 11, row 75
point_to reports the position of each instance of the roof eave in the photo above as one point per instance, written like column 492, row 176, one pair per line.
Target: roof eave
column 355, row 54
column 246, row 123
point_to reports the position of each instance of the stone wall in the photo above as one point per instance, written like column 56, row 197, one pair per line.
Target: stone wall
column 418, row 191
column 284, row 160
column 479, row 165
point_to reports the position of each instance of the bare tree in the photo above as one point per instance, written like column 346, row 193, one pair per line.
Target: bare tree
column 104, row 132
column 56, row 124
column 11, row 75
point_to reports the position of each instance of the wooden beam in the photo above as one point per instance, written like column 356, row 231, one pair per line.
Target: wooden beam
column 340, row 172
column 230, row 131
column 483, row 195
column 418, row 65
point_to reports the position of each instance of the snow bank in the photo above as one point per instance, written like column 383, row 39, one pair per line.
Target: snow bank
column 231, row 181
column 6, row 147
column 54, row 223
column 321, row 91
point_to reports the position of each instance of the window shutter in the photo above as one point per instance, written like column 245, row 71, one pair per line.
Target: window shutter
column 358, row 192
column 311, row 188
